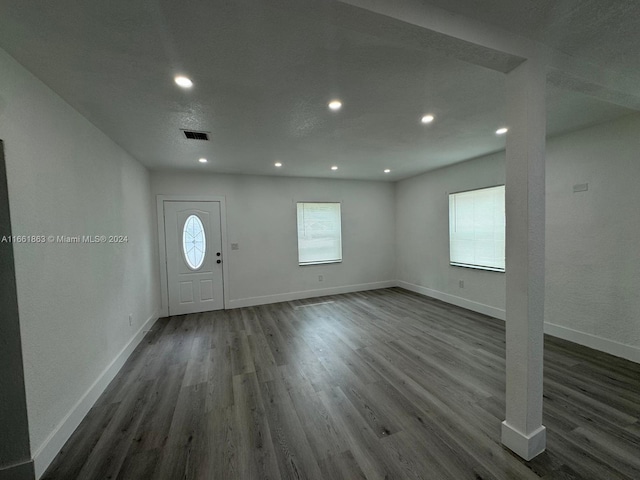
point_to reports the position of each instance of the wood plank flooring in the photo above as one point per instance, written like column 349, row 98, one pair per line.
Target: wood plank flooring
column 384, row 384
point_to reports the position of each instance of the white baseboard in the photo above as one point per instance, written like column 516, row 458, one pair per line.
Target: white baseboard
column 287, row 297
column 45, row 454
column 611, row 347
column 526, row 446
column 454, row 300
column 21, row 471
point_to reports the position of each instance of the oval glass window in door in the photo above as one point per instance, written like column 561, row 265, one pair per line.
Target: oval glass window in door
column 194, row 242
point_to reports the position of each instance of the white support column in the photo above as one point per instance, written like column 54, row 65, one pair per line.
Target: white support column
column 522, row 431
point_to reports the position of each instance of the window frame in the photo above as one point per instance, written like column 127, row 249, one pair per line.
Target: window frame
column 319, row 262
column 467, row 265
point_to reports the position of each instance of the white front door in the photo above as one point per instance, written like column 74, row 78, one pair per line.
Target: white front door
column 194, row 256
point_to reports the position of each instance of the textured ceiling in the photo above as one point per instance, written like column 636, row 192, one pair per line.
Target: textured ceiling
column 605, row 32
column 263, row 73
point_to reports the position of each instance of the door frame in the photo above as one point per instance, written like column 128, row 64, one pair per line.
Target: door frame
column 162, row 244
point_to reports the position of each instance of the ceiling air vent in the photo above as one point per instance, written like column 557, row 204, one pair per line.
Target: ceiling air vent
column 193, row 135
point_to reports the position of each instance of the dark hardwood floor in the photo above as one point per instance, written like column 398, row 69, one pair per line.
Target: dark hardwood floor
column 384, row 384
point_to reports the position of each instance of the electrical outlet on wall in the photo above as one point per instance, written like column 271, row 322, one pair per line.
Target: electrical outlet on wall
column 461, row 283
column 320, row 278
column 130, row 319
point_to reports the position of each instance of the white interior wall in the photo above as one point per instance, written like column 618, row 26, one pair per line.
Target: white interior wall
column 67, row 178
column 593, row 237
column 592, row 254
column 422, row 236
column 261, row 219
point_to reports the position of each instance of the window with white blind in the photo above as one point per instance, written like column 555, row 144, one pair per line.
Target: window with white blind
column 477, row 229
column 319, row 233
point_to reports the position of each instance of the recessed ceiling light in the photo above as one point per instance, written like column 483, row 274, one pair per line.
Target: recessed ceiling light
column 386, row 170
column 335, row 105
column 278, row 164
column 502, row 131
column 427, row 119
column 183, row 82
column 334, row 167
column 203, row 160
